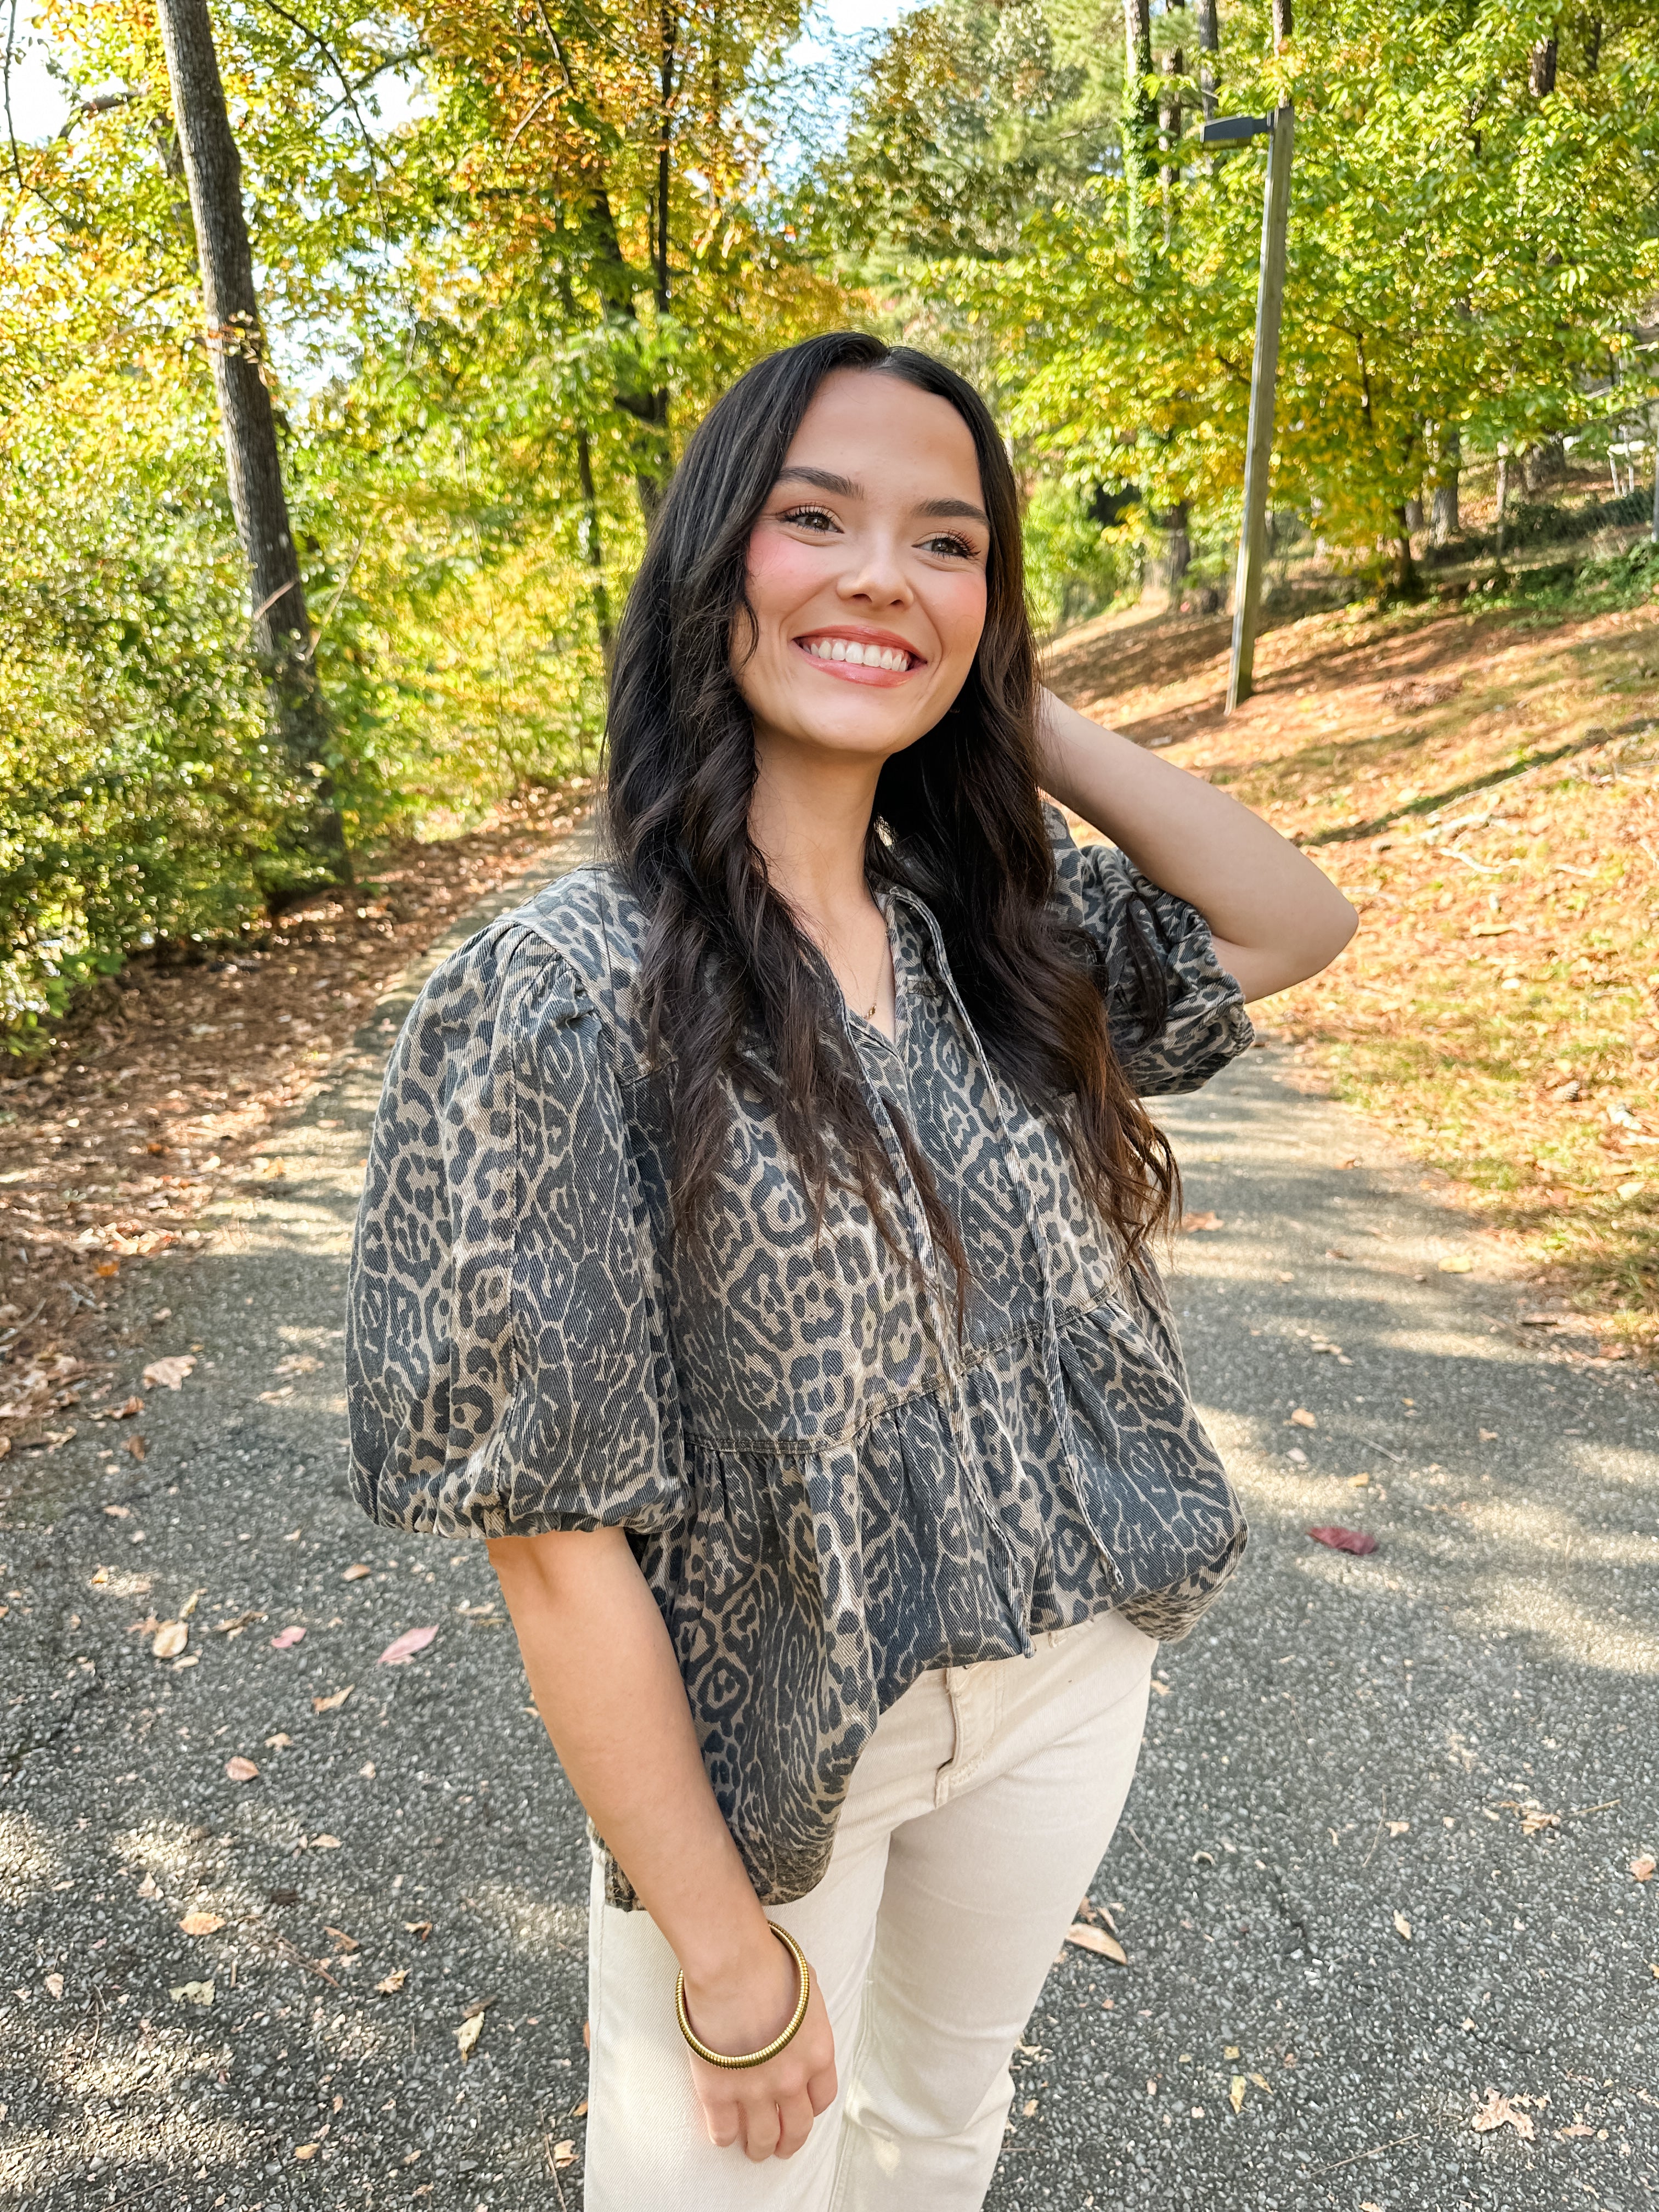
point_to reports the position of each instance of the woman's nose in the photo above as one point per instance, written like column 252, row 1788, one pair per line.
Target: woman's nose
column 876, row 575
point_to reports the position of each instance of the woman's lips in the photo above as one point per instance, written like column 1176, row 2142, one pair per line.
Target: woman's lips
column 868, row 669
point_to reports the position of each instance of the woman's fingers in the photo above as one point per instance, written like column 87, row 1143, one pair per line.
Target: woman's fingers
column 761, row 2130
column 795, row 2117
column 821, row 2090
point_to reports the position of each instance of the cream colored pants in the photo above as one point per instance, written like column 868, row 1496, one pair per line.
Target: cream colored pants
column 975, row 1821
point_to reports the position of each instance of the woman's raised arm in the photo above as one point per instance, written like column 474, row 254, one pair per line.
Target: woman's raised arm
column 1274, row 916
column 603, row 1674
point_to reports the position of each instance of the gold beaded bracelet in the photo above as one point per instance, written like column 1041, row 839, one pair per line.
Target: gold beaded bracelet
column 769, row 2050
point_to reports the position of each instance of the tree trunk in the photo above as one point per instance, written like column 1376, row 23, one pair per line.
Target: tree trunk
column 1414, row 514
column 1282, row 23
column 1591, row 29
column 592, row 546
column 1177, row 550
column 236, row 345
column 1138, row 124
column 1407, row 584
column 1502, row 500
column 1543, row 69
column 1169, row 136
column 1209, row 42
column 1444, row 524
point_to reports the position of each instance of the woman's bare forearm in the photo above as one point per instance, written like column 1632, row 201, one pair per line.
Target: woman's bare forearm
column 603, row 1677
column 1275, row 917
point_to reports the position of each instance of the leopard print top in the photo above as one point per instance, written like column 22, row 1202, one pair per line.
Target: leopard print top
column 827, row 1490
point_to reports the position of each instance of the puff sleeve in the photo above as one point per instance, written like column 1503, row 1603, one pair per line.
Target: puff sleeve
column 506, row 1368
column 1146, row 936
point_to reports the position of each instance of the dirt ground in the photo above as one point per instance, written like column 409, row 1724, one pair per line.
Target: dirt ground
column 1482, row 784
column 163, row 1093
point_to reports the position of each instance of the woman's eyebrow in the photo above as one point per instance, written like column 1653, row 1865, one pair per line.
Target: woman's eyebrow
column 822, row 479
column 960, row 510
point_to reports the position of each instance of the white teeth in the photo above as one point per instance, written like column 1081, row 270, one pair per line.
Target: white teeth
column 891, row 658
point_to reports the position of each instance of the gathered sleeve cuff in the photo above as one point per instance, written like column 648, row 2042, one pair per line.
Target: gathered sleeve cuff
column 506, row 1367
column 1153, row 946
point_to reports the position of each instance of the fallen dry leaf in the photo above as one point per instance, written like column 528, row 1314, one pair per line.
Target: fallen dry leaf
column 1578, row 2127
column 241, row 1770
column 280, row 1741
column 276, row 1397
column 346, row 1942
column 1097, row 1939
column 1027, row 2109
column 1193, row 1222
column 564, row 2152
column 1498, row 2112
column 171, row 1638
column 200, row 1923
column 169, row 1373
column 420, row 1930
column 298, row 1363
column 1302, row 1418
column 286, row 1638
column 1235, row 2093
column 1456, row 1263
column 137, row 1448
column 54, row 1985
column 1642, row 1869
column 331, row 1704
column 402, row 1648
column 1402, row 1927
column 579, row 2111
column 468, row 2033
column 119, row 1512
column 393, row 1982
column 1356, row 1540
column 196, row 1993
column 326, row 1842
column 355, row 1574
column 1160, row 1687
column 1399, row 1827
column 305, row 2150
column 97, row 1580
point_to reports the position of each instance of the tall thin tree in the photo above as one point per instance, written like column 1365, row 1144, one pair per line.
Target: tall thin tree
column 1209, row 44
column 236, row 346
column 1139, row 124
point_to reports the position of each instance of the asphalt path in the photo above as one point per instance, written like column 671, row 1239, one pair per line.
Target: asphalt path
column 1374, row 1880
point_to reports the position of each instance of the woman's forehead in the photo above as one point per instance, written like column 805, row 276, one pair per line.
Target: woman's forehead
column 876, row 437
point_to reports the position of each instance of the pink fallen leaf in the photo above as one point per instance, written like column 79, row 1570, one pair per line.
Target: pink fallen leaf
column 171, row 1372
column 1345, row 1539
column 241, row 1770
column 402, row 1648
column 286, row 1639
column 200, row 1923
column 1643, row 1867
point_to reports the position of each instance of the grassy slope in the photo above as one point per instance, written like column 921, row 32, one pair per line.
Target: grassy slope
column 1498, row 1011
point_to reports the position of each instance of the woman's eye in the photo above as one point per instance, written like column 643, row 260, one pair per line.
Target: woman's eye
column 954, row 548
column 809, row 518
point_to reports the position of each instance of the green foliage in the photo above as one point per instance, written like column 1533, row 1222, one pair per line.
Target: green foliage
column 1075, row 566
column 504, row 257
column 1468, row 256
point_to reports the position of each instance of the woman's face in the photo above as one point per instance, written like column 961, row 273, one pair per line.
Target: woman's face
column 866, row 572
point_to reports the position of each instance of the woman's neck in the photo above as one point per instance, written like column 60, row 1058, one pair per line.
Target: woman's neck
column 810, row 817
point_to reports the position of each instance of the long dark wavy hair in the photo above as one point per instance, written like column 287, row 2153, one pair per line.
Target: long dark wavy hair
column 731, row 987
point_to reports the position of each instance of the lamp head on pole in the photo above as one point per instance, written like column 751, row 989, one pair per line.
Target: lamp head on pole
column 1224, row 130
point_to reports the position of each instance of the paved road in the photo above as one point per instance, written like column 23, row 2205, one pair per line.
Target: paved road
column 1344, row 1740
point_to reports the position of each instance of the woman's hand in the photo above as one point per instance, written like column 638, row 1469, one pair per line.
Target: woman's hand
column 1274, row 916
column 767, row 2111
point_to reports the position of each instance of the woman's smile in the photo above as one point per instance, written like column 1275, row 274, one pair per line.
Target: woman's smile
column 857, row 654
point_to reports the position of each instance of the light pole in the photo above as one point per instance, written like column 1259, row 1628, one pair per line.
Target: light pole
column 1280, row 129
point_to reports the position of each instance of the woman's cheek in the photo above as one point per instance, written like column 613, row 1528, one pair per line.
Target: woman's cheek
column 781, row 575
column 960, row 615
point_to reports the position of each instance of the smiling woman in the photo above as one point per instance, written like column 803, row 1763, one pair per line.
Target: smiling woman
column 755, row 1251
